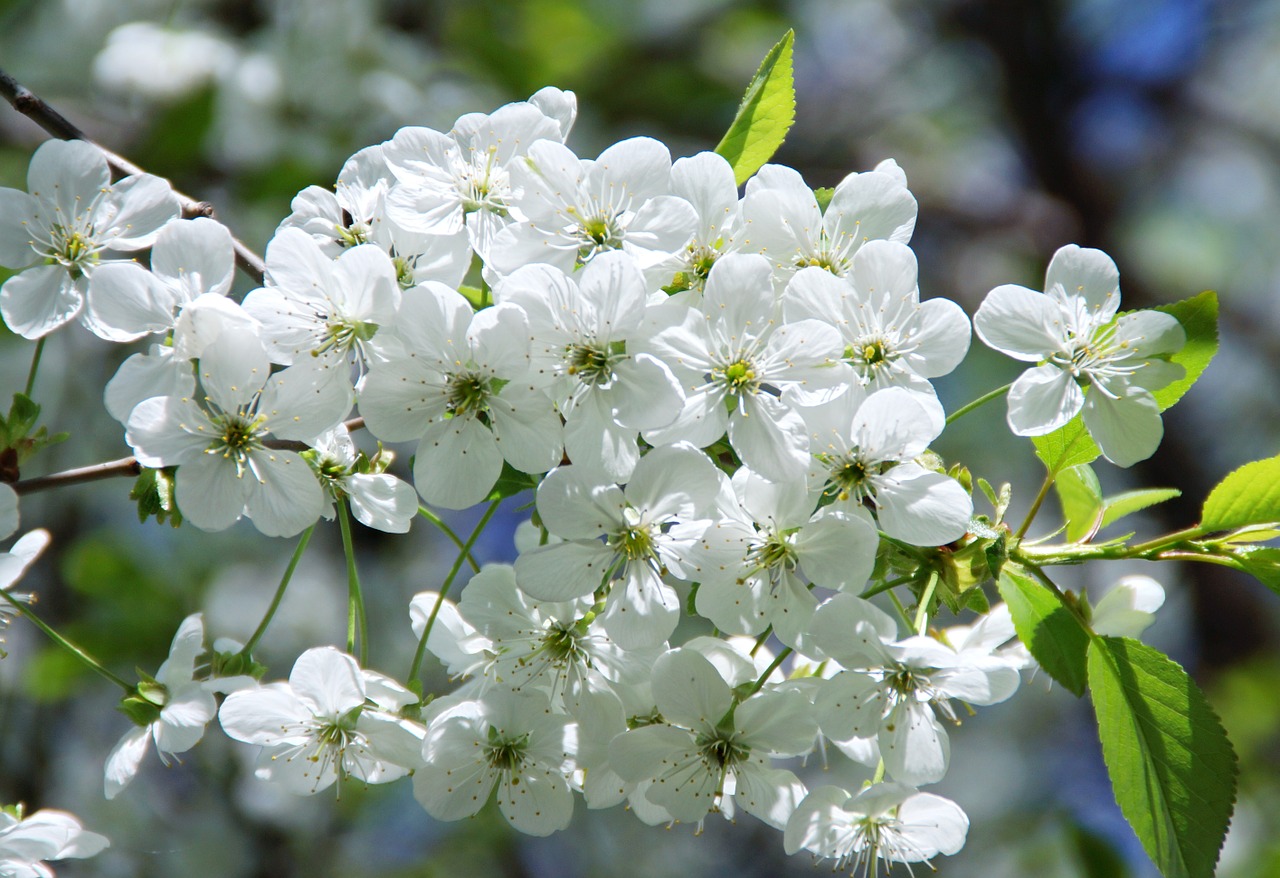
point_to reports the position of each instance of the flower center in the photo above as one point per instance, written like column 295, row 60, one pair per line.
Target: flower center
column 72, row 249
column 593, row 364
column 238, row 434
column 505, row 754
column 719, row 749
column 868, row 354
column 739, row 377
column 468, row 393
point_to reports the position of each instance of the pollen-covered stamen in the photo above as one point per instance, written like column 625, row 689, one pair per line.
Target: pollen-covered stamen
column 636, row 540
column 592, row 363
column 341, row 336
column 238, row 434
column 869, row 354
column 72, row 248
column 468, row 393
column 773, row 556
column 1094, row 358
column 739, row 378
column 827, row 254
column 482, row 184
column 596, row 231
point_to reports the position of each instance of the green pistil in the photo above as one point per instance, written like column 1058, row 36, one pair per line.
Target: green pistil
column 561, row 645
column 721, row 750
column 72, row 251
column 774, row 554
column 404, row 272
column 468, row 393
column 739, row 376
column 633, row 543
column 356, row 233
column 342, row 336
column 503, row 754
column 338, row 733
column 240, row 435
column 870, row 353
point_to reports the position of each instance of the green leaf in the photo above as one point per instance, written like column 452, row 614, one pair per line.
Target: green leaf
column 1260, row 562
column 1172, row 768
column 765, row 116
column 1080, row 496
column 1070, row 445
column 1199, row 318
column 1118, row 506
column 511, row 482
column 1249, row 495
column 1047, row 627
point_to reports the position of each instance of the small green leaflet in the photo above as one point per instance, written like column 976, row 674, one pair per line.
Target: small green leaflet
column 1199, row 318
column 1249, row 495
column 765, row 116
column 1080, row 496
column 1171, row 765
column 1071, row 445
column 1118, row 506
column 1047, row 627
column 1260, row 562
column 823, row 197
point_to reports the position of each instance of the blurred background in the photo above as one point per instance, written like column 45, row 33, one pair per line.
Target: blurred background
column 1147, row 128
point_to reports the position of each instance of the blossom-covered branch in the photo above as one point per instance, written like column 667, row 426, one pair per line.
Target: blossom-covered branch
column 35, row 108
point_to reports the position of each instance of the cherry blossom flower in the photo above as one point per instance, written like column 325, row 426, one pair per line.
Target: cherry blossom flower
column 26, row 841
column 1089, row 360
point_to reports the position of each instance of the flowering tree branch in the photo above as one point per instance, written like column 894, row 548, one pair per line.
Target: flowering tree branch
column 31, row 105
column 128, row 466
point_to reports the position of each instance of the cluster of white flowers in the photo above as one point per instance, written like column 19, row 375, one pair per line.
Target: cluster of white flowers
column 724, row 401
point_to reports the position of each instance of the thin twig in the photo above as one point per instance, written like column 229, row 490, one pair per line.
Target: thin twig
column 129, row 466
column 34, row 108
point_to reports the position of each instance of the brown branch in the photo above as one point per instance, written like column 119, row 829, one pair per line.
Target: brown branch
column 34, row 108
column 129, row 466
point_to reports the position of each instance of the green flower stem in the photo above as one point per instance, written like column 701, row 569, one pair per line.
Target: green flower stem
column 886, row 586
column 280, row 589
column 980, row 401
column 1035, row 506
column 902, row 611
column 768, row 672
column 448, row 532
column 444, row 588
column 70, row 647
column 1168, row 540
column 922, row 612
column 35, row 367
column 760, row 641
column 355, row 599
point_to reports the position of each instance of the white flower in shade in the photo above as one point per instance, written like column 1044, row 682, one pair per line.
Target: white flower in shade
column 462, row 649
column 646, row 528
column 177, row 705
column 582, row 330
column 59, row 232
column 330, row 721
column 509, row 741
column 460, row 183
column 885, row 821
column 575, row 208
column 190, row 258
column 1089, row 360
column 355, row 213
column 893, row 688
column 707, row 182
column 863, row 452
column 460, row 382
column 546, row 645
column 891, row 338
column 220, row 441
column 1128, row 608
column 378, row 499
column 734, row 359
column 711, row 752
column 27, row 841
column 321, row 308
column 774, row 536
column 783, row 221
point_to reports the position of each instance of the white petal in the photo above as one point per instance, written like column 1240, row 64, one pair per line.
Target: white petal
column 1127, row 429
column 1042, row 400
column 124, row 760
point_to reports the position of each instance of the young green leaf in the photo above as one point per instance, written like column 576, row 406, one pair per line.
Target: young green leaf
column 1172, row 768
column 765, row 116
column 1118, row 506
column 1249, row 495
column 1260, row 562
column 1080, row 496
column 1068, row 446
column 1199, row 318
column 1047, row 627
column 823, row 197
